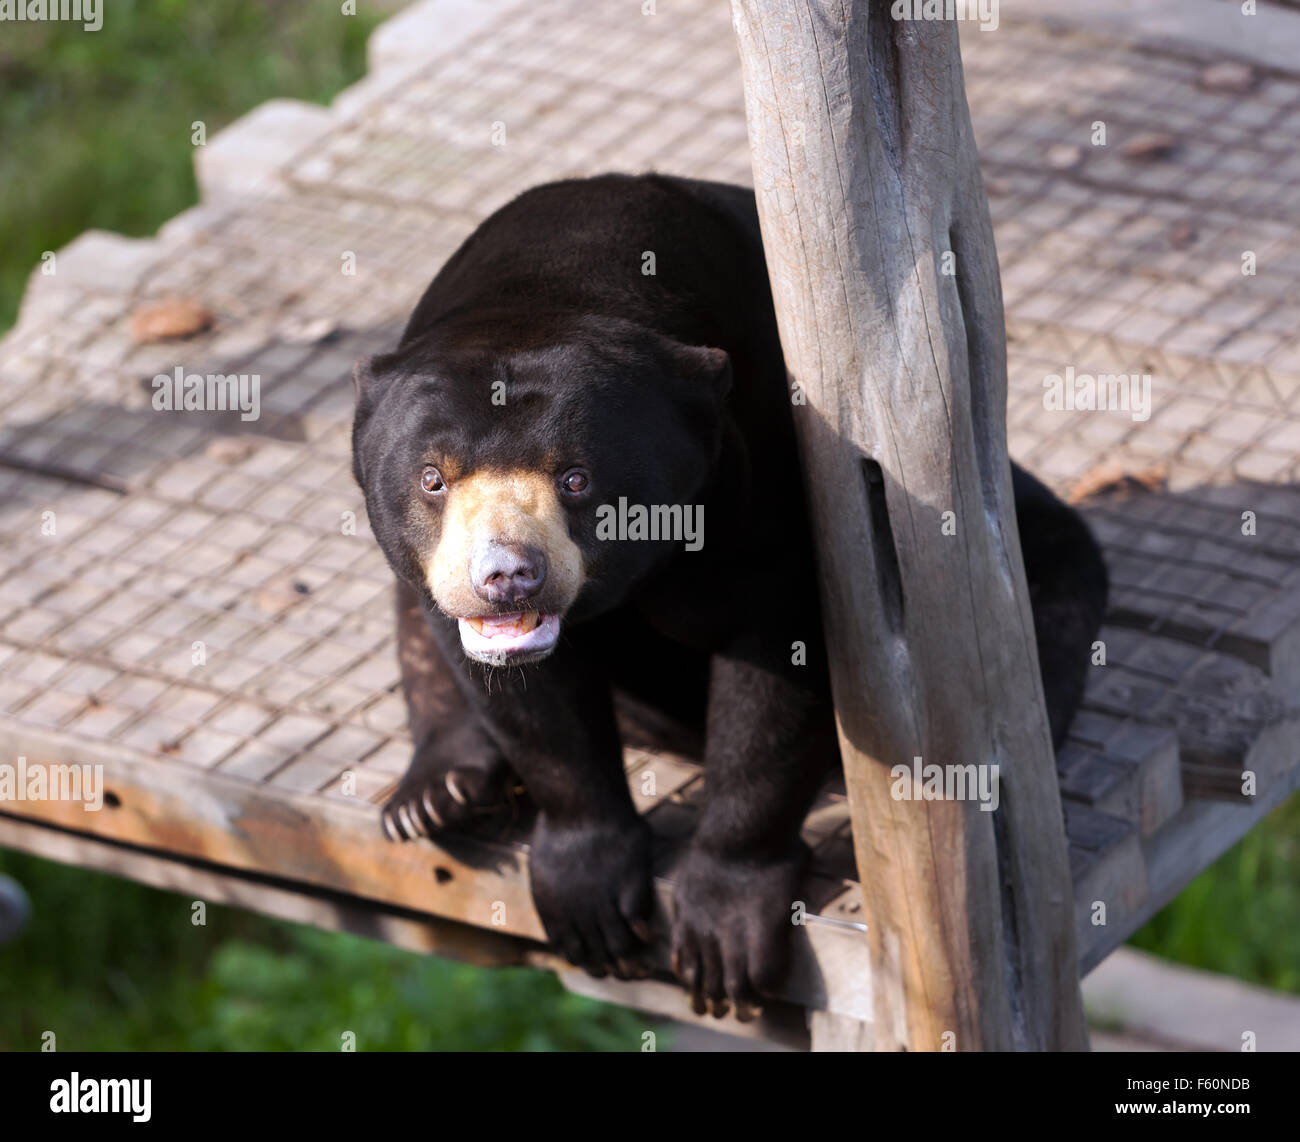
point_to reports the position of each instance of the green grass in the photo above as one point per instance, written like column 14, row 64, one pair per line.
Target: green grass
column 107, row 964
column 95, row 126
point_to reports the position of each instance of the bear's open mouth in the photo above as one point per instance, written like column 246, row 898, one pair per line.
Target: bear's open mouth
column 523, row 636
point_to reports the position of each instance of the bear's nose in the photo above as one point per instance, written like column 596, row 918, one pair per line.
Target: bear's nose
column 507, row 572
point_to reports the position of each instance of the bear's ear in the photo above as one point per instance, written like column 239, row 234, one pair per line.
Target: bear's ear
column 369, row 376
column 363, row 377
column 704, row 366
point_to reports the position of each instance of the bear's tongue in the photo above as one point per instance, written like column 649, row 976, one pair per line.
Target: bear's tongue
column 501, row 639
column 506, row 626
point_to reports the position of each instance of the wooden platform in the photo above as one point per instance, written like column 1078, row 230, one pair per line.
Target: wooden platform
column 242, row 766
column 209, row 619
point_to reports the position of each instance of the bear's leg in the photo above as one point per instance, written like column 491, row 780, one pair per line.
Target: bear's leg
column 770, row 742
column 589, row 860
column 457, row 775
column 1067, row 590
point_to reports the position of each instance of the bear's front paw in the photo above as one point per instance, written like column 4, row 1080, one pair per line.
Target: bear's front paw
column 454, row 782
column 591, row 886
column 731, row 928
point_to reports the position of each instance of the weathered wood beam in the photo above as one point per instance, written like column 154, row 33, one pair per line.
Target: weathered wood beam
column 881, row 256
column 210, row 820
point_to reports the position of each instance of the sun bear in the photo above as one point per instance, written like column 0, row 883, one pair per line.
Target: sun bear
column 598, row 353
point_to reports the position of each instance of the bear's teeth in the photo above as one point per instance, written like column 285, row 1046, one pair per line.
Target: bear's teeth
column 510, row 625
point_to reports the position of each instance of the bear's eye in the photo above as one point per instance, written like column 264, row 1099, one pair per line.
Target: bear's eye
column 431, row 481
column 575, row 481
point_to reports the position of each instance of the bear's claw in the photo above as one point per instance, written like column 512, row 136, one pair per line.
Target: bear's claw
column 439, row 793
column 729, row 930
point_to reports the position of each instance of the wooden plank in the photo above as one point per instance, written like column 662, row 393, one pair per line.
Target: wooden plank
column 315, row 840
column 327, row 843
column 838, row 1033
column 1216, row 703
column 1198, row 835
column 1157, row 788
column 867, row 180
column 779, row 1023
column 1107, row 868
column 296, row 902
column 1181, row 567
column 1122, row 768
column 126, row 843
column 1224, row 717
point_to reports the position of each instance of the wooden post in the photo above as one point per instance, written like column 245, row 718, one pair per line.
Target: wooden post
column 881, row 256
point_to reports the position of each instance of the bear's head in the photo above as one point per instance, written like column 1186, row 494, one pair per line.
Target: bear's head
column 487, row 450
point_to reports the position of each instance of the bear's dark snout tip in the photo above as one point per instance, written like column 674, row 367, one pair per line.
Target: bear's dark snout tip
column 507, row 572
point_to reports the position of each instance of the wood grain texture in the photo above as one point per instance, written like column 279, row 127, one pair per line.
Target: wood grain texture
column 867, row 179
column 293, row 901
column 333, row 846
